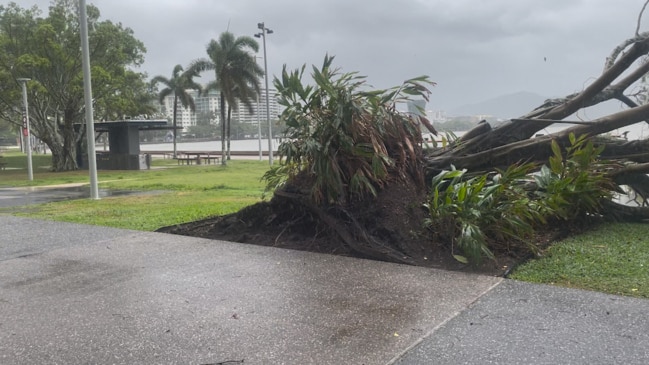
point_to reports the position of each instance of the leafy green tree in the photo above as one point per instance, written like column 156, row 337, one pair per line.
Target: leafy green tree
column 47, row 50
column 7, row 133
column 237, row 75
column 179, row 85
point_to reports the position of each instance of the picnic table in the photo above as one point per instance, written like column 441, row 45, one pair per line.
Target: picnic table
column 189, row 157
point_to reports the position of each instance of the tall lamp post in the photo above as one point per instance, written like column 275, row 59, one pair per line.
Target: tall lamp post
column 26, row 134
column 87, row 95
column 262, row 34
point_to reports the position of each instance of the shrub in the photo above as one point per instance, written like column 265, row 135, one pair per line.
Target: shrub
column 574, row 185
column 480, row 212
column 344, row 142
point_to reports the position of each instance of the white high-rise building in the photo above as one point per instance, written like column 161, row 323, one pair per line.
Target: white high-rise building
column 210, row 104
column 258, row 109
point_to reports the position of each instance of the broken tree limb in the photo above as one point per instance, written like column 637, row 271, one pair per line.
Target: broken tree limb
column 535, row 149
column 558, row 109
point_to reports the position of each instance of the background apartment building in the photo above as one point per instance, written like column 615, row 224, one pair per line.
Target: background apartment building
column 209, row 105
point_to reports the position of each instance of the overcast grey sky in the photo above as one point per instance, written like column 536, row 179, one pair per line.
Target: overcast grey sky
column 473, row 49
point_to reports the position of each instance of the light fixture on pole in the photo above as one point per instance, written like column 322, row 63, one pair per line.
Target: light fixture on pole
column 262, row 34
column 87, row 93
column 26, row 134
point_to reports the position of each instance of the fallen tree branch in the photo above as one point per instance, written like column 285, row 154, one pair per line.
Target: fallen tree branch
column 625, row 212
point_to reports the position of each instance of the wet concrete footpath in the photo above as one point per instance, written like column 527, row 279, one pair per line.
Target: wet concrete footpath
column 78, row 294
column 25, row 196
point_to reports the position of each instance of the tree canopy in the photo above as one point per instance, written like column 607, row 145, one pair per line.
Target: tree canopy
column 236, row 75
column 178, row 86
column 46, row 49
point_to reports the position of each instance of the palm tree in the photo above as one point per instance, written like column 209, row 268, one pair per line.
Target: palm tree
column 237, row 75
column 239, row 95
column 178, row 85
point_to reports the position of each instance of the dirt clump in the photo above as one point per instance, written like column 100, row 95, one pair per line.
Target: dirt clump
column 395, row 218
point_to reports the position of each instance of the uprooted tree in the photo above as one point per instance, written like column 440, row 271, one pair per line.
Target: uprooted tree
column 356, row 170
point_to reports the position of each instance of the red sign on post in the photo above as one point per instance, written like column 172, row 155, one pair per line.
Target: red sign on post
column 25, row 131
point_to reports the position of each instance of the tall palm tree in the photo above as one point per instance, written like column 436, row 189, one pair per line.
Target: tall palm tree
column 178, row 85
column 244, row 97
column 237, row 75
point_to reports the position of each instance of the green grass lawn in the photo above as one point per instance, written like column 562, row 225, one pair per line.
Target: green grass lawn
column 614, row 258
column 178, row 193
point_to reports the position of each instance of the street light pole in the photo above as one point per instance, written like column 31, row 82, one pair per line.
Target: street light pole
column 26, row 134
column 87, row 93
column 263, row 33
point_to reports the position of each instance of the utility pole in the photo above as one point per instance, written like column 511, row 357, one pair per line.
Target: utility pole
column 262, row 34
column 87, row 93
column 26, row 134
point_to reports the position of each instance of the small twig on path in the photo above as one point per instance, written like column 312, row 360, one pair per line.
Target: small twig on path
column 226, row 362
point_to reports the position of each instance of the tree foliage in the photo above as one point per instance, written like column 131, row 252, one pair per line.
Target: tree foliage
column 179, row 86
column 501, row 210
column 236, row 76
column 47, row 50
column 345, row 142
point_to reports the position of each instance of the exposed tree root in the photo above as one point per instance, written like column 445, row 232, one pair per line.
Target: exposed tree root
column 348, row 229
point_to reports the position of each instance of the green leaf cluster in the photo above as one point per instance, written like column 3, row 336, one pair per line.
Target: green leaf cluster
column 344, row 142
column 574, row 182
column 480, row 212
column 502, row 210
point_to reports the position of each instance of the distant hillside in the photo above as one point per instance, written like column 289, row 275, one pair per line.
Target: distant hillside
column 504, row 107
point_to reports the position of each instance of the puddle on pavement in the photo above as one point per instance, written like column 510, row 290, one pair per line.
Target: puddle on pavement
column 82, row 192
column 19, row 197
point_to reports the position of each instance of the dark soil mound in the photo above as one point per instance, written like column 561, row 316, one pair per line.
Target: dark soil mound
column 394, row 218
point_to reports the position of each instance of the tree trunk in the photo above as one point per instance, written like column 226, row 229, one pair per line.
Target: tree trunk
column 228, row 130
column 64, row 154
column 223, row 122
column 174, row 124
column 58, row 134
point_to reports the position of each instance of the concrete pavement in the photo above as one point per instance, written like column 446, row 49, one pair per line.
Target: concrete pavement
column 522, row 323
column 77, row 294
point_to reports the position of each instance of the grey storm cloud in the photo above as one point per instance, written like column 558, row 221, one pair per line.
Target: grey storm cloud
column 473, row 49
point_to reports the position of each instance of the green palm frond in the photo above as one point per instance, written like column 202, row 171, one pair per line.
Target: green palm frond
column 350, row 140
